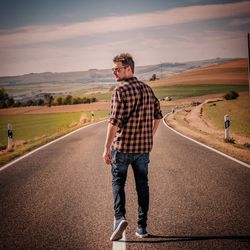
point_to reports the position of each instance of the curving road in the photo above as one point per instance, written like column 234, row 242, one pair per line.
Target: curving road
column 60, row 197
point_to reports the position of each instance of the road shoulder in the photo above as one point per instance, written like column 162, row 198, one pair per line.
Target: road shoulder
column 189, row 121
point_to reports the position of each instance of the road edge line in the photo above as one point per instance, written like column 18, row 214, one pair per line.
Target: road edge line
column 45, row 145
column 206, row 146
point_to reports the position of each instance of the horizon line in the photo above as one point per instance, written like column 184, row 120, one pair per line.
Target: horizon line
column 86, row 70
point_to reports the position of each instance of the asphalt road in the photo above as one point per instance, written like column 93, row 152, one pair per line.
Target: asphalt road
column 60, row 197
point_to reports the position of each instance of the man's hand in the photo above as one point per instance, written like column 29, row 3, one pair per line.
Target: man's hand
column 111, row 132
column 107, row 156
column 155, row 125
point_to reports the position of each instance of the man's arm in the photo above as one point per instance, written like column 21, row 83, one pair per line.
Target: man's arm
column 156, row 123
column 157, row 115
column 115, row 122
column 111, row 132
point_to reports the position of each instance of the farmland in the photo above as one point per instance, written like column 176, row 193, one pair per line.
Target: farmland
column 31, row 126
column 196, row 90
column 36, row 125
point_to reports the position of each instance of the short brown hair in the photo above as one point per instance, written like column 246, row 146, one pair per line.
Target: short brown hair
column 126, row 59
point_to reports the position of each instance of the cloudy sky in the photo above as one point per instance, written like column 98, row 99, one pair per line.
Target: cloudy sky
column 61, row 35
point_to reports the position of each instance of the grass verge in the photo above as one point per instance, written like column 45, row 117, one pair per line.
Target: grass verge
column 238, row 111
column 32, row 131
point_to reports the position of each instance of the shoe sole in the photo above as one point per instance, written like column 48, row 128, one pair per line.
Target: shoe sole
column 141, row 235
column 117, row 234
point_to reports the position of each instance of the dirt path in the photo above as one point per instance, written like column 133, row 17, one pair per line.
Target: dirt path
column 191, row 122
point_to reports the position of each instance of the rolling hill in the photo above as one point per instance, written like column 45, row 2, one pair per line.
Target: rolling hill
column 233, row 72
column 36, row 85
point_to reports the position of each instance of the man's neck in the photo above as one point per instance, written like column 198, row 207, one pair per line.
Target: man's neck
column 128, row 77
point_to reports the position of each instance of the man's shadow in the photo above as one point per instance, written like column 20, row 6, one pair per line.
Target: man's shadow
column 153, row 238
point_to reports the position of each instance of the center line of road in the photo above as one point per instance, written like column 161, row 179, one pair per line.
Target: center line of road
column 120, row 245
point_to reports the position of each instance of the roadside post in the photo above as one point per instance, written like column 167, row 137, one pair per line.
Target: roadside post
column 227, row 126
column 10, row 136
column 92, row 116
column 173, row 112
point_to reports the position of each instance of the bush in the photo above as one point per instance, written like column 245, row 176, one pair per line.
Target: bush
column 231, row 95
column 5, row 100
column 29, row 103
column 68, row 100
column 230, row 140
column 247, row 145
column 194, row 103
column 17, row 104
column 2, row 147
column 39, row 102
column 153, row 78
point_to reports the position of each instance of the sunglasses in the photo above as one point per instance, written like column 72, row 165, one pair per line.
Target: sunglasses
column 119, row 69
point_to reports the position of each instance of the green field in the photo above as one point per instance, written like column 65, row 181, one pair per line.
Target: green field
column 27, row 127
column 174, row 91
column 100, row 96
column 238, row 111
column 196, row 90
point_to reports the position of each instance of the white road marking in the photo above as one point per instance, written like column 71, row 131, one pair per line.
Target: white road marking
column 120, row 245
column 215, row 150
column 35, row 150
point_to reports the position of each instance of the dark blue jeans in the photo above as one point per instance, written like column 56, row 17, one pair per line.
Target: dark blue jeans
column 139, row 162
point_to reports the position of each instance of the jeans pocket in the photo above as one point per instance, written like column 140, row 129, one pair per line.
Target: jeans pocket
column 113, row 156
column 118, row 157
column 145, row 158
column 119, row 164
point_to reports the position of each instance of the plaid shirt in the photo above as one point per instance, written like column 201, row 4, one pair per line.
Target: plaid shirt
column 133, row 109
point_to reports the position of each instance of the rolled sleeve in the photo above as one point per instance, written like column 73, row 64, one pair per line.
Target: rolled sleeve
column 157, row 110
column 117, row 109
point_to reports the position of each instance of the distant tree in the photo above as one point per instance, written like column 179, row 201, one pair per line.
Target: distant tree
column 47, row 97
column 40, row 102
column 5, row 100
column 10, row 102
column 77, row 100
column 50, row 101
column 67, row 100
column 29, row 103
column 231, row 95
column 93, row 99
column 17, row 104
column 153, row 77
column 84, row 100
column 59, row 100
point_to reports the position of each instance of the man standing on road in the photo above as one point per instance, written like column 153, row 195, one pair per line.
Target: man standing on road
column 134, row 119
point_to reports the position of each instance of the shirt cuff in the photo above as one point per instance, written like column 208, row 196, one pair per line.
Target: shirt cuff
column 116, row 122
column 158, row 116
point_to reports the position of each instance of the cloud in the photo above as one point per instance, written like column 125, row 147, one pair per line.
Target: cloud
column 240, row 21
column 147, row 49
column 40, row 34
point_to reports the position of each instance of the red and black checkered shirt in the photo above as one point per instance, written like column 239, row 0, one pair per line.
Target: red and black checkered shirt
column 133, row 109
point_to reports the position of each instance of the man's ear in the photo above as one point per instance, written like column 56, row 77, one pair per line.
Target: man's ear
column 130, row 70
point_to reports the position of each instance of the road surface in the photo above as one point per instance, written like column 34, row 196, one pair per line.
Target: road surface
column 60, row 197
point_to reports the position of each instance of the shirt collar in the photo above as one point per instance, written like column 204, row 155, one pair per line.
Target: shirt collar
column 131, row 79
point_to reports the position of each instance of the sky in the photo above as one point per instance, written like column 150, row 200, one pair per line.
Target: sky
column 62, row 36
